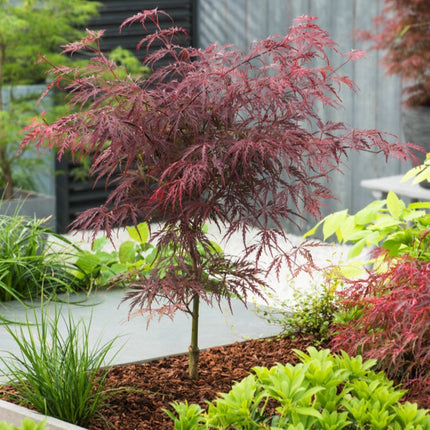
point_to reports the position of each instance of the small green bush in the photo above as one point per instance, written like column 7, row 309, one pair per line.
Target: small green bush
column 134, row 256
column 134, row 259
column 58, row 371
column 324, row 391
column 309, row 313
column 27, row 424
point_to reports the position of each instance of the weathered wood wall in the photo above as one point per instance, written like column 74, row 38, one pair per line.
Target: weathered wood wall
column 376, row 105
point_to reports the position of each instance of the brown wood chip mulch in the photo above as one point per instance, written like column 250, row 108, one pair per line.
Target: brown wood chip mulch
column 151, row 387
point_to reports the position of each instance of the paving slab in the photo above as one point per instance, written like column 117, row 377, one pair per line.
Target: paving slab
column 140, row 341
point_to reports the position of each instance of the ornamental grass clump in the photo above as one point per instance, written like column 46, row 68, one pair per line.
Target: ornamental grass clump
column 58, row 371
column 217, row 134
column 31, row 265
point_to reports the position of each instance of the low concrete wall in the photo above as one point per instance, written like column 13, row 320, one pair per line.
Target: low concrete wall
column 14, row 414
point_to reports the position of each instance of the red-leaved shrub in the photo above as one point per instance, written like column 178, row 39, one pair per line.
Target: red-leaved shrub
column 391, row 323
column 402, row 31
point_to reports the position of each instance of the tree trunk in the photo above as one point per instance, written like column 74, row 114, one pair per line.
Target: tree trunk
column 193, row 351
column 6, row 175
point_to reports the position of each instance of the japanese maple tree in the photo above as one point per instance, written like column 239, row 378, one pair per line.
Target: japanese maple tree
column 218, row 135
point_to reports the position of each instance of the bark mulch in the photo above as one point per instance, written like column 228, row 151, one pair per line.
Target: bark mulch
column 142, row 391
column 147, row 389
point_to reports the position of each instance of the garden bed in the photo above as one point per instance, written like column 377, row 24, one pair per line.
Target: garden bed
column 146, row 389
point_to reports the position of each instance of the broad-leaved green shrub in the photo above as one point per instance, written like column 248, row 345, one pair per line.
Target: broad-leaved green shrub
column 324, row 391
column 100, row 267
column 419, row 173
column 388, row 225
column 134, row 259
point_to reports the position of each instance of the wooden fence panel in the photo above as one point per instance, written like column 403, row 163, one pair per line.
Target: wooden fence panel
column 377, row 103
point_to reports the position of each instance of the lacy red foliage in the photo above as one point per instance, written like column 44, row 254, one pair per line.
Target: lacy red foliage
column 403, row 30
column 392, row 324
column 213, row 135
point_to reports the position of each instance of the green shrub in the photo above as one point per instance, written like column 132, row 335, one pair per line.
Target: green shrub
column 308, row 313
column 134, row 259
column 135, row 255
column 390, row 225
column 29, row 266
column 324, row 391
column 27, row 424
column 57, row 371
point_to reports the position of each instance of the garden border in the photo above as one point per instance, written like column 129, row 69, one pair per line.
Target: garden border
column 14, row 414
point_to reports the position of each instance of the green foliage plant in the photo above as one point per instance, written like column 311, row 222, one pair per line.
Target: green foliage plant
column 419, row 173
column 306, row 313
column 28, row 28
column 133, row 256
column 388, row 225
column 27, row 424
column 30, row 265
column 324, row 391
column 217, row 134
column 127, row 63
column 133, row 259
column 58, row 370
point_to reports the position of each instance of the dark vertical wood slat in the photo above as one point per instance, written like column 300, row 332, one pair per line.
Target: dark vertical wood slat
column 62, row 195
column 73, row 197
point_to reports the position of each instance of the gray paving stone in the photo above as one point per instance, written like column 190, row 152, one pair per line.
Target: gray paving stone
column 109, row 318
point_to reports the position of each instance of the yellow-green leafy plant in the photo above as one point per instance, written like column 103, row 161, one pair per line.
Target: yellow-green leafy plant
column 419, row 173
column 26, row 424
column 324, row 391
column 134, row 258
column 389, row 226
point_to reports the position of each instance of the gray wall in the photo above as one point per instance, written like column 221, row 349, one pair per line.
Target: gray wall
column 44, row 173
column 375, row 106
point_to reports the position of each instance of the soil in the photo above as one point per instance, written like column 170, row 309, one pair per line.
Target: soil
column 146, row 389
